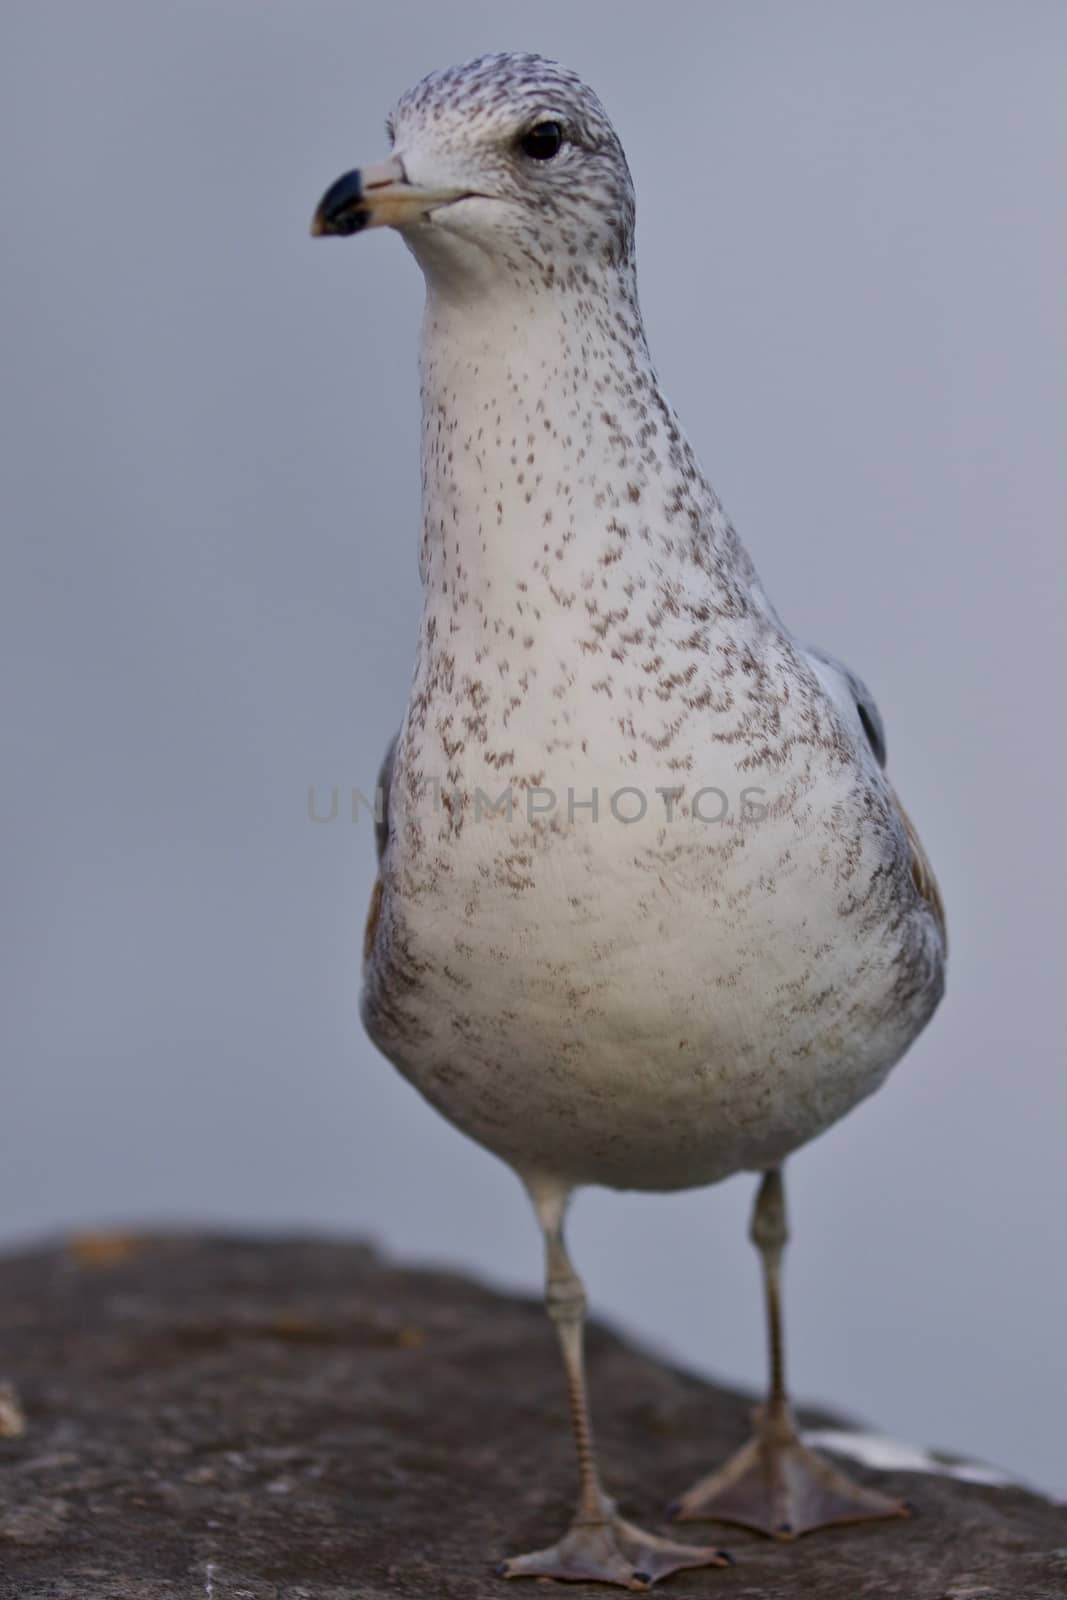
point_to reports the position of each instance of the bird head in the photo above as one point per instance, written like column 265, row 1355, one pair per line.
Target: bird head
column 507, row 165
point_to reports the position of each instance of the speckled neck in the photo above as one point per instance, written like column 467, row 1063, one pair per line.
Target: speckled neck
column 551, row 460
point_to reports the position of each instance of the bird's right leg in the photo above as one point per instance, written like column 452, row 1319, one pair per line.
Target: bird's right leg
column 599, row 1546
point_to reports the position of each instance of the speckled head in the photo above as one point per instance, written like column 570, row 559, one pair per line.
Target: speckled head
column 508, row 162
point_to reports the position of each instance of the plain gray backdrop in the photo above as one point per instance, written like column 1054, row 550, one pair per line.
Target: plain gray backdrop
column 853, row 253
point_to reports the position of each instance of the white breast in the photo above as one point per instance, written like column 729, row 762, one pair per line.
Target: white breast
column 645, row 1003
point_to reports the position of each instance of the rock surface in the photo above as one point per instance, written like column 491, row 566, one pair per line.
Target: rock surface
column 297, row 1419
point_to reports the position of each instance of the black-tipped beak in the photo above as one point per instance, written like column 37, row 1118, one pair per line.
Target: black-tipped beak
column 378, row 196
column 342, row 209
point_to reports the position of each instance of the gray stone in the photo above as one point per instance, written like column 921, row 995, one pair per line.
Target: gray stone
column 298, row 1419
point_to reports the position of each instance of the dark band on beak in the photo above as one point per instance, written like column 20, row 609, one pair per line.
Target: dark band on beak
column 342, row 209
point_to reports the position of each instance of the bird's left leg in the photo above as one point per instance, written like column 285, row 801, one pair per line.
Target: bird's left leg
column 599, row 1546
column 775, row 1484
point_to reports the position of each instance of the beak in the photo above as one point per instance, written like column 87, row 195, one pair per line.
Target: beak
column 376, row 197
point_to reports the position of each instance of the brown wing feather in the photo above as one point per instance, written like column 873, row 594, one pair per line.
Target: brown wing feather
column 922, row 872
column 373, row 914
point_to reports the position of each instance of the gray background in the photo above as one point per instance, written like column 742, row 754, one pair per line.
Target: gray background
column 852, row 248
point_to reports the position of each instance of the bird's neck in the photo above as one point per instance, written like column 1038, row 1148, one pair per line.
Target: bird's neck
column 551, row 461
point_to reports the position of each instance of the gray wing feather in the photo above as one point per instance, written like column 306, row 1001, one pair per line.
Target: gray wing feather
column 868, row 711
column 381, row 810
column 870, row 718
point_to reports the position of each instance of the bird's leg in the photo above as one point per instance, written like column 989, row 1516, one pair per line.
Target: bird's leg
column 599, row 1546
column 775, row 1484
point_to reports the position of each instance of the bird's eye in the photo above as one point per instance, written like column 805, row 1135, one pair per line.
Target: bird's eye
column 542, row 141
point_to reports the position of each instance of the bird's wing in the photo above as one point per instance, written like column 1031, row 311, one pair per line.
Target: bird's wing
column 381, row 808
column 922, row 872
column 856, row 692
column 852, row 688
column 381, row 839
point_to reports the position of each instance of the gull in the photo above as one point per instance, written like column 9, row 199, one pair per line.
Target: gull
column 648, row 911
